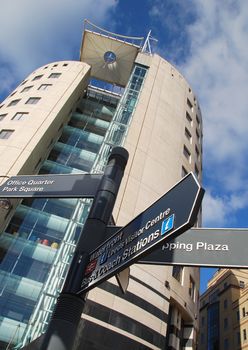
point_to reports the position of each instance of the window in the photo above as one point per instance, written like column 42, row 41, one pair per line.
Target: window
column 197, row 153
column 177, row 272
column 2, row 116
column 44, row 86
column 226, row 344
column 244, row 335
column 5, row 134
column 184, row 171
column 197, row 135
column 65, row 64
column 27, row 88
column 13, row 103
column 225, row 304
column 243, row 312
column 203, row 321
column 20, row 116
column 54, row 75
column 196, row 171
column 225, row 323
column 33, row 100
column 190, row 105
column 188, row 134
column 238, row 338
column 38, row 77
column 186, row 152
column 188, row 117
column 197, row 120
column 238, row 315
column 191, row 288
column 242, row 284
column 55, row 65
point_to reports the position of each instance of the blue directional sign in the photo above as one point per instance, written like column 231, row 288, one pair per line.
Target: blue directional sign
column 175, row 212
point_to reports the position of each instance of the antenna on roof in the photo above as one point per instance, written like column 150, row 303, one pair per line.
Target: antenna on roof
column 147, row 44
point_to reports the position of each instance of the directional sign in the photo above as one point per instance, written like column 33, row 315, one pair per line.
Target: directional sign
column 46, row 186
column 171, row 215
column 203, row 247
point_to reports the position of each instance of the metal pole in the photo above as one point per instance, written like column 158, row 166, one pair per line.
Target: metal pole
column 62, row 328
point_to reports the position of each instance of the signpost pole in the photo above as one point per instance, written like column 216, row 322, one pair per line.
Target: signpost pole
column 62, row 328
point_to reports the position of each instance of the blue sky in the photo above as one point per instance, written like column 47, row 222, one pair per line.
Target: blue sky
column 205, row 40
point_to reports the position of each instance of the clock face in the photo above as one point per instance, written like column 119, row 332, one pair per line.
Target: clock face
column 109, row 57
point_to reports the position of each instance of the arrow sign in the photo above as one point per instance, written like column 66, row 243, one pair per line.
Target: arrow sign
column 51, row 186
column 203, row 247
column 175, row 212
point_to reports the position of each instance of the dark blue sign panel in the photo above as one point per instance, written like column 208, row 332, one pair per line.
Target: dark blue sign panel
column 51, row 186
column 171, row 215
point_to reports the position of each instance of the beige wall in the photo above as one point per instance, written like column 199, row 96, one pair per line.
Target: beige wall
column 33, row 137
column 155, row 142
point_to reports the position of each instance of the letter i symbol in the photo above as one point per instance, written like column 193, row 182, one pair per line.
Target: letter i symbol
column 167, row 224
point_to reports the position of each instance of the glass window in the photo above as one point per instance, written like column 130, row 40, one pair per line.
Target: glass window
column 184, row 171
column 65, row 64
column 238, row 338
column 2, row 116
column 54, row 75
column 186, row 152
column 5, row 134
column 27, row 88
column 242, row 284
column 188, row 117
column 238, row 315
column 177, row 272
column 191, row 288
column 225, row 303
column 197, row 135
column 197, row 152
column 13, row 103
column 226, row 344
column 20, row 116
column 33, row 100
column 190, row 105
column 38, row 77
column 44, row 86
column 197, row 120
column 243, row 312
column 225, row 323
column 188, row 134
column 244, row 335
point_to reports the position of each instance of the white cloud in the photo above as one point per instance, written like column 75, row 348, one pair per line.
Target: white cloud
column 36, row 32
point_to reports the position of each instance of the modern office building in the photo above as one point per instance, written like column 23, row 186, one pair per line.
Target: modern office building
column 224, row 311
column 64, row 118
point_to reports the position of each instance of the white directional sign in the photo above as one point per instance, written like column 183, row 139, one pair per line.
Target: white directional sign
column 212, row 247
column 171, row 215
column 46, row 186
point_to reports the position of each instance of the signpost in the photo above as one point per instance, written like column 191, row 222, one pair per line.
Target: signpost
column 203, row 247
column 47, row 186
column 171, row 215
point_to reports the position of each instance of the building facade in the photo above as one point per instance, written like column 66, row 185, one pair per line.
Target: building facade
column 65, row 118
column 224, row 311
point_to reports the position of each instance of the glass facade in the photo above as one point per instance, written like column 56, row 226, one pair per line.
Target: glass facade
column 213, row 326
column 37, row 245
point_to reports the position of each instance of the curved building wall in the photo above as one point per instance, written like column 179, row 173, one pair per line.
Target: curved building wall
column 164, row 141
